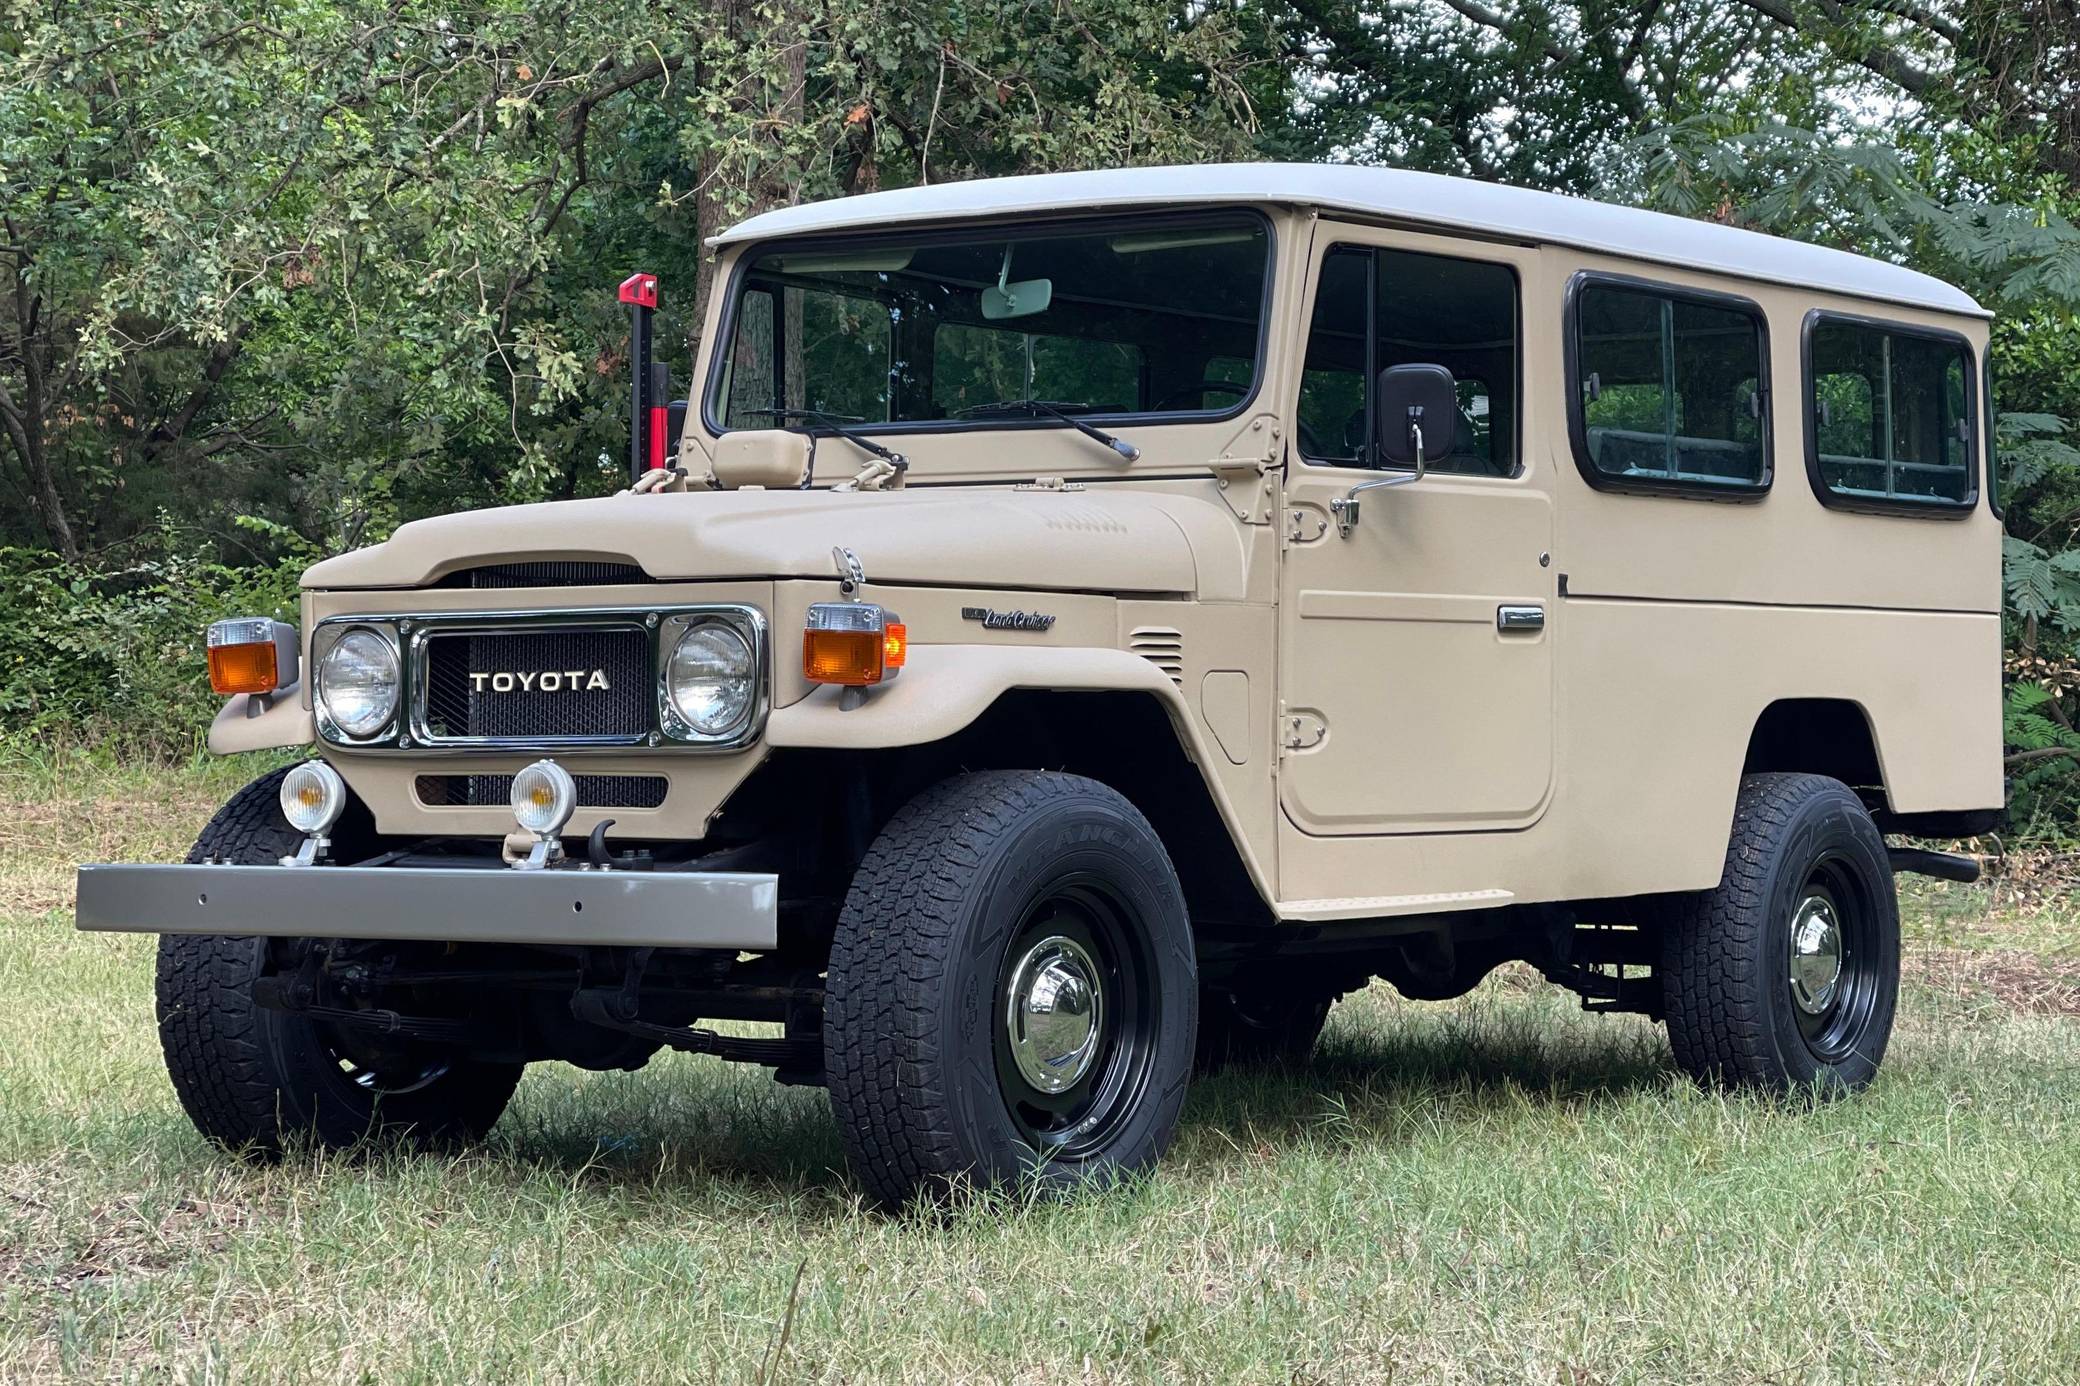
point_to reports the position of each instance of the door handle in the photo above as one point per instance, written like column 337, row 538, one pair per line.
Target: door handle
column 1520, row 618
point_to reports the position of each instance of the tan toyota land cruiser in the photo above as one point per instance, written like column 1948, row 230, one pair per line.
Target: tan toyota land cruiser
column 1088, row 623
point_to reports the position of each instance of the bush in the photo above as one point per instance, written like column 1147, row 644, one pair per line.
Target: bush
column 117, row 657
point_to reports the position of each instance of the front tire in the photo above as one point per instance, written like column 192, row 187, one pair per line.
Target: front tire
column 1012, row 989
column 251, row 1078
column 1786, row 975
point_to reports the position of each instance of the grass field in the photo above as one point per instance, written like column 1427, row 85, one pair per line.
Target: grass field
column 1497, row 1189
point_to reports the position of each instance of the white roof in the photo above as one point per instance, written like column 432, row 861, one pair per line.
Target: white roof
column 1428, row 199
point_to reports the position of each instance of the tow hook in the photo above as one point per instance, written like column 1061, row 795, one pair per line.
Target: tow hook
column 1947, row 866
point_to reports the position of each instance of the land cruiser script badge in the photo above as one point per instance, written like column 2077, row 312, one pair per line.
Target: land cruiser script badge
column 546, row 681
column 993, row 619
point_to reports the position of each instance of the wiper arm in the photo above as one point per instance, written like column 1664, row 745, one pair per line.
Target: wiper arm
column 841, row 427
column 1040, row 406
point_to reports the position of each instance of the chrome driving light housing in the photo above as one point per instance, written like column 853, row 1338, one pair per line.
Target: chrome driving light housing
column 544, row 798
column 312, row 796
column 359, row 684
column 709, row 679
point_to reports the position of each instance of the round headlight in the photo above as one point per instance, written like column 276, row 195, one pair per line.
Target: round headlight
column 544, row 796
column 710, row 678
column 313, row 796
column 357, row 683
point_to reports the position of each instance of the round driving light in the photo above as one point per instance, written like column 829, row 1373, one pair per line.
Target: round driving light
column 544, row 797
column 313, row 797
column 357, row 683
column 711, row 679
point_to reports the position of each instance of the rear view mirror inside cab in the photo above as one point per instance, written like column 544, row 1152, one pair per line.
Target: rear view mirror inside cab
column 1009, row 298
column 1418, row 414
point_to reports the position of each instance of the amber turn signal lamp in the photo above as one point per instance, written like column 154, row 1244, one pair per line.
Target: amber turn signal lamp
column 251, row 655
column 853, row 644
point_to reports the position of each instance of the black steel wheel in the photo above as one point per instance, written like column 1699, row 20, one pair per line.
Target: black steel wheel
column 1787, row 974
column 1012, row 990
column 1077, row 1041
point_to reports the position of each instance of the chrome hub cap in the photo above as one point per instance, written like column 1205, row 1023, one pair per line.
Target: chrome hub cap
column 1816, row 955
column 1055, row 1013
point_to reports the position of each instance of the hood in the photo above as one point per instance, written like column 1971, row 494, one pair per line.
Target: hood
column 1112, row 539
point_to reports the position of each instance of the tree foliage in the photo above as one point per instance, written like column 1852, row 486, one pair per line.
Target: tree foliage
column 282, row 275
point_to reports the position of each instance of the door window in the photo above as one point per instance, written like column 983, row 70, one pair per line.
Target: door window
column 1376, row 308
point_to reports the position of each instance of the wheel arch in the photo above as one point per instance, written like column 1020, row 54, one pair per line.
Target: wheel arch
column 1105, row 714
column 1834, row 737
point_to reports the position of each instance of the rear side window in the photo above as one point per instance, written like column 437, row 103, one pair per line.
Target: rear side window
column 1890, row 416
column 1992, row 436
column 1669, row 389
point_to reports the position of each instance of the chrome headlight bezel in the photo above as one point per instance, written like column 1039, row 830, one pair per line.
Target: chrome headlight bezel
column 324, row 641
column 745, row 625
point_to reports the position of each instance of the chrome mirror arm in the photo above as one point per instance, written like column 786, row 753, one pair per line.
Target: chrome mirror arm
column 1345, row 507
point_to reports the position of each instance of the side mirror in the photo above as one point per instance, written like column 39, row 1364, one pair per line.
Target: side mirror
column 1417, row 409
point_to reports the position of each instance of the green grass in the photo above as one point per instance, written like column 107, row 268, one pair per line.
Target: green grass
column 1495, row 1189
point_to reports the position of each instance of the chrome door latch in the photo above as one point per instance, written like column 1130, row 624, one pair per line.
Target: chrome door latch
column 1520, row 618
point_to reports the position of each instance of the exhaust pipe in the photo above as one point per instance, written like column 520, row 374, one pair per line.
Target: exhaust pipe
column 1947, row 866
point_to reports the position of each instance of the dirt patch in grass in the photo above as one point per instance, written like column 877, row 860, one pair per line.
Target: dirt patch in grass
column 2033, row 983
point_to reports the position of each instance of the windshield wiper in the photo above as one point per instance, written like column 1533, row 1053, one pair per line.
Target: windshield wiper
column 1040, row 406
column 841, row 426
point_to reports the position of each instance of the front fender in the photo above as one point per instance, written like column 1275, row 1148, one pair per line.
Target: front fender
column 260, row 722
column 944, row 688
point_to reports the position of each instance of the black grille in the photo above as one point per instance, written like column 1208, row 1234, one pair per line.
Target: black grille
column 500, row 575
column 594, row 791
column 502, row 704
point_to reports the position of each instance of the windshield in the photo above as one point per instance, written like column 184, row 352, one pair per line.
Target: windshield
column 1160, row 317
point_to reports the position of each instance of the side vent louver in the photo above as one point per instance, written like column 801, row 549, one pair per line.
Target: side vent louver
column 1162, row 646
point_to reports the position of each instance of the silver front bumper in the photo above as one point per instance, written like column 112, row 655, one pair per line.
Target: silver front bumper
column 642, row 909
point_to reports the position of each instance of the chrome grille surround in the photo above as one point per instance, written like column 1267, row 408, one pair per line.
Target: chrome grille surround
column 639, row 716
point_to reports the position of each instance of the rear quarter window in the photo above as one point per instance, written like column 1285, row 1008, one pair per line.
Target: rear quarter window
column 1891, row 416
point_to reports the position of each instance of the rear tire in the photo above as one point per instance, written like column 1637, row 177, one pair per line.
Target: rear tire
column 1012, row 989
column 1786, row 975
column 251, row 1078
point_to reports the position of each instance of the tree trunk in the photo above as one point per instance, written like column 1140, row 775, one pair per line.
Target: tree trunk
column 27, row 429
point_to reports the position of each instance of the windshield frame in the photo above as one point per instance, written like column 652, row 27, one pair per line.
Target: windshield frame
column 1026, row 228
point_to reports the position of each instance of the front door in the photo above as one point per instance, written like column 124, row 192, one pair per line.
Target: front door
column 1417, row 651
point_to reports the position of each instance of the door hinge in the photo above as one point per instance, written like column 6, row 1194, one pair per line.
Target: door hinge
column 1249, row 483
column 1304, row 730
column 1248, row 486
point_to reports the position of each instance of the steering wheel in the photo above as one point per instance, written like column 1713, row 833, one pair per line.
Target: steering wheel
column 1179, row 396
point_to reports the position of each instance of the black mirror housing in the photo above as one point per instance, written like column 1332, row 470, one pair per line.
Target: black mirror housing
column 1412, row 397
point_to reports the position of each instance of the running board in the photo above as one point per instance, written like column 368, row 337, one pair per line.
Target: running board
column 1388, row 906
